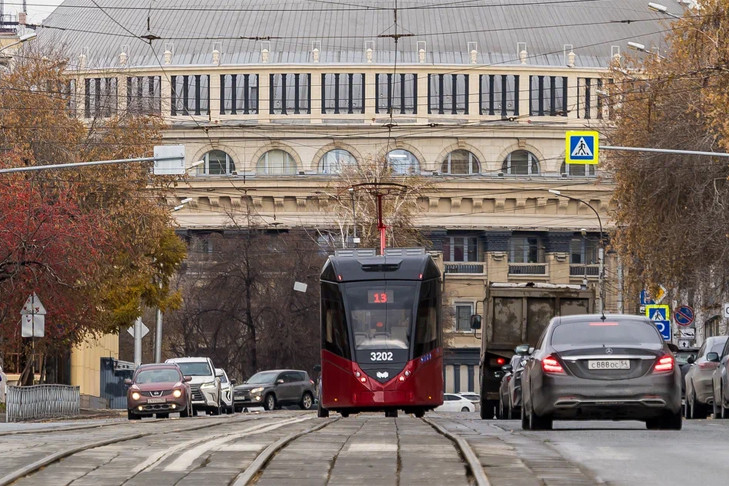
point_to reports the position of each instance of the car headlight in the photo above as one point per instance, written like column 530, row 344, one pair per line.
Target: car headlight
column 208, row 385
column 257, row 390
column 136, row 396
column 177, row 393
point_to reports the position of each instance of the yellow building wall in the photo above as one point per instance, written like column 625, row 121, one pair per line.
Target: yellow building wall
column 86, row 362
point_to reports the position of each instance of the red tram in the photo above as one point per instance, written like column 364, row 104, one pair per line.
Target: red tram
column 381, row 332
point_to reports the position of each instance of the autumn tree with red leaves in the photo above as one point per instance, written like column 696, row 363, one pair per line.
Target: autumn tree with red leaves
column 94, row 243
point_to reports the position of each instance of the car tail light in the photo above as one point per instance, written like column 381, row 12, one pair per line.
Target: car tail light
column 708, row 365
column 551, row 365
column 508, row 378
column 663, row 364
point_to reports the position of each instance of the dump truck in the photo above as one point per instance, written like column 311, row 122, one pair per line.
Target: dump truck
column 517, row 314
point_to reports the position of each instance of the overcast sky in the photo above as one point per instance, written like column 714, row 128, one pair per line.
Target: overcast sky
column 37, row 9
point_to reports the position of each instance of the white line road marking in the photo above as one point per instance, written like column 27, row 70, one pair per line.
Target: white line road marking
column 186, row 459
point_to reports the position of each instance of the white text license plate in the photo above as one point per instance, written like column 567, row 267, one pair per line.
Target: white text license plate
column 608, row 364
column 156, row 400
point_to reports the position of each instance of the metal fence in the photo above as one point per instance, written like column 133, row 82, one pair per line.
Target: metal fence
column 42, row 401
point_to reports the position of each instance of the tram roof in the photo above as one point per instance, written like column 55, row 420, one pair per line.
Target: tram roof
column 363, row 265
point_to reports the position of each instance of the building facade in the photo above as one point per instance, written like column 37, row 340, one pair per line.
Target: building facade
column 274, row 98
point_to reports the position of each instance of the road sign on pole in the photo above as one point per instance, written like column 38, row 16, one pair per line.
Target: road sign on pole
column 684, row 315
column 581, row 147
column 660, row 316
column 32, row 318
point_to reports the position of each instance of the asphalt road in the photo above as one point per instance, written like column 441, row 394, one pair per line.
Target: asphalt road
column 361, row 449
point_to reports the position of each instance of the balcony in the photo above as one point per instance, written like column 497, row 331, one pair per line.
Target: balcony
column 584, row 270
column 528, row 269
column 476, row 268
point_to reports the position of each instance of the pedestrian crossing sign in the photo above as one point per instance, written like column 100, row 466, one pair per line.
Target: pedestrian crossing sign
column 581, row 147
column 657, row 312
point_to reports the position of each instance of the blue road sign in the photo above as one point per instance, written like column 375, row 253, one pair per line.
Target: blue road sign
column 664, row 327
column 581, row 147
column 684, row 315
column 645, row 298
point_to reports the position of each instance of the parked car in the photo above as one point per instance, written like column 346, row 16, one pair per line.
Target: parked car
column 720, row 381
column 205, row 385
column 471, row 396
column 699, row 382
column 274, row 388
column 452, row 402
column 226, row 390
column 682, row 356
column 158, row 389
column 588, row 367
column 510, row 390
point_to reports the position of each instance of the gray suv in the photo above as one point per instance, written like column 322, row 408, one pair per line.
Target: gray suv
column 274, row 388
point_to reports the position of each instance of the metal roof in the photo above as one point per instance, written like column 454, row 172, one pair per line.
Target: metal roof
column 343, row 29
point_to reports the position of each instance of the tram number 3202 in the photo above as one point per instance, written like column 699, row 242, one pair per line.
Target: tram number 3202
column 381, row 356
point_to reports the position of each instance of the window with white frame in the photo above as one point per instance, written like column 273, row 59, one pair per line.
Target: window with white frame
column 448, row 94
column 342, row 93
column 238, row 94
column 460, row 162
column 396, row 92
column 290, row 94
column 460, row 249
column 333, row 161
column 499, row 94
column 144, row 95
column 276, row 162
column 578, row 170
column 526, row 249
column 190, row 95
column 403, row 162
column 217, row 162
column 100, row 97
column 521, row 162
column 464, row 311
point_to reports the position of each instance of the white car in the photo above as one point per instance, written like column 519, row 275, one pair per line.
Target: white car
column 205, row 384
column 453, row 402
column 226, row 390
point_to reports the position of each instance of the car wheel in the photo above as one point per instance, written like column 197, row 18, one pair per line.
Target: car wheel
column 465, row 409
column 133, row 416
column 238, row 409
column 524, row 419
column 307, row 400
column 185, row 413
column 671, row 421
column 269, row 403
column 537, row 422
column 500, row 410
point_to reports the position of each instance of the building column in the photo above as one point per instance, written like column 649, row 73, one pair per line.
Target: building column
column 497, row 255
column 558, row 257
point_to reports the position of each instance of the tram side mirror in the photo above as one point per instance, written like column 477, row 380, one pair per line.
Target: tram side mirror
column 691, row 359
column 522, row 349
column 713, row 357
column 475, row 321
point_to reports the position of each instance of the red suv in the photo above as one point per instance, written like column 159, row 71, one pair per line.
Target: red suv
column 158, row 389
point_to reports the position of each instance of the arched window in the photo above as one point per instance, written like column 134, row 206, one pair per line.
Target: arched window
column 217, row 162
column 460, row 162
column 403, row 162
column 333, row 161
column 521, row 162
column 578, row 170
column 276, row 162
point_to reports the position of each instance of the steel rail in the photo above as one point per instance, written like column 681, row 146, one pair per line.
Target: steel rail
column 471, row 459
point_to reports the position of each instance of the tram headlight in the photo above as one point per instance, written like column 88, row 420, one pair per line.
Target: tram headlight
column 357, row 374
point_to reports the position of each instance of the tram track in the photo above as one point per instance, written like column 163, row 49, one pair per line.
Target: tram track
column 184, row 426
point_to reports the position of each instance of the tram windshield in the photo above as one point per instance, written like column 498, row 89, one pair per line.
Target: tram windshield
column 380, row 314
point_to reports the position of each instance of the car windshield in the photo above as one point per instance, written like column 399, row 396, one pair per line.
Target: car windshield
column 682, row 356
column 717, row 346
column 199, row 368
column 580, row 334
column 263, row 378
column 158, row 376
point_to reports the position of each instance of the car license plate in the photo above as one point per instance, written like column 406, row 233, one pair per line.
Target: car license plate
column 156, row 400
column 608, row 364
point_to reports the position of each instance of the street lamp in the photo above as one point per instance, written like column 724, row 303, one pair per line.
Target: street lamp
column 637, row 46
column 601, row 252
column 657, row 7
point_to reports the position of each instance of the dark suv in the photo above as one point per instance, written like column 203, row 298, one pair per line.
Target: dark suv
column 274, row 388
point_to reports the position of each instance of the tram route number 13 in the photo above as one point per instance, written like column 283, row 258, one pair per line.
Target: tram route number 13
column 381, row 356
column 379, row 296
